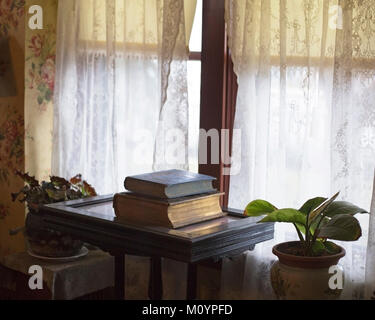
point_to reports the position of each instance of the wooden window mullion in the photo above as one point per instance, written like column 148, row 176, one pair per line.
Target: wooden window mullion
column 218, row 86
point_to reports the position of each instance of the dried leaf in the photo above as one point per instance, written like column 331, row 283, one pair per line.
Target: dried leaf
column 23, row 192
column 76, row 180
column 60, row 182
column 73, row 194
column 58, row 189
column 27, row 178
column 88, row 190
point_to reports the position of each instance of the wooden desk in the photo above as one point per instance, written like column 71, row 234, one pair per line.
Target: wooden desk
column 93, row 220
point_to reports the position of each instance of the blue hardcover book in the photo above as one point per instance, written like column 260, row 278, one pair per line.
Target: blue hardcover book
column 170, row 184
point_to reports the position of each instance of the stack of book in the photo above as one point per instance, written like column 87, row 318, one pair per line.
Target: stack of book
column 172, row 199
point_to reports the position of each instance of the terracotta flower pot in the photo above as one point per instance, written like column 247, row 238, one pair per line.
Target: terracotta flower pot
column 304, row 278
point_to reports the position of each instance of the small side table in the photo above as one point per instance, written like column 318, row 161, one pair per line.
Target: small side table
column 90, row 277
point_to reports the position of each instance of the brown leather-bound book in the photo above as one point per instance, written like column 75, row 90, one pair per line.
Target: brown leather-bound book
column 170, row 213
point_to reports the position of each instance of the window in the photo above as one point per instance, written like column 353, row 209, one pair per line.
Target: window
column 194, row 86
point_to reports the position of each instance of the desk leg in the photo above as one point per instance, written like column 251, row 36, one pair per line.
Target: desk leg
column 120, row 276
column 155, row 284
column 191, row 290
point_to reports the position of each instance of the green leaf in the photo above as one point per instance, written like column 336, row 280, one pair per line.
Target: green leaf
column 56, row 195
column 313, row 225
column 342, row 227
column 318, row 248
column 301, row 227
column 258, row 208
column 40, row 99
column 343, row 207
column 285, row 215
column 300, row 236
column 317, row 211
column 311, row 204
column 321, row 247
column 331, row 247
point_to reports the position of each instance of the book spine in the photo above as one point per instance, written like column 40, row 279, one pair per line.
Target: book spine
column 145, row 187
column 132, row 210
column 189, row 188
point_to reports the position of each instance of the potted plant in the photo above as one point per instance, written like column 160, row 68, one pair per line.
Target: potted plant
column 303, row 267
column 40, row 240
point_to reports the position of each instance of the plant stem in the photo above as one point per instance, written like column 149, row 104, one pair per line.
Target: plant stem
column 315, row 236
column 307, row 237
column 300, row 236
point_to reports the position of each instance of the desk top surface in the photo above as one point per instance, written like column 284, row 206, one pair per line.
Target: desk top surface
column 99, row 210
column 94, row 220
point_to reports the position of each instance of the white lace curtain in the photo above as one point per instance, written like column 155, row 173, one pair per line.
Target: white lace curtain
column 121, row 89
column 306, row 109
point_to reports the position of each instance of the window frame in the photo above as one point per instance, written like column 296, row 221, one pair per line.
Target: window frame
column 218, row 87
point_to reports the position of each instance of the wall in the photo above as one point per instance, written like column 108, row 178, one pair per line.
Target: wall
column 12, row 127
column 25, row 119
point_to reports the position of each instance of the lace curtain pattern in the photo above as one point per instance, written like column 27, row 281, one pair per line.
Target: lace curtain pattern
column 121, row 85
column 306, row 110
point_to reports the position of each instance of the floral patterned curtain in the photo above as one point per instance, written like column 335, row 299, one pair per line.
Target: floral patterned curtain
column 39, row 89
